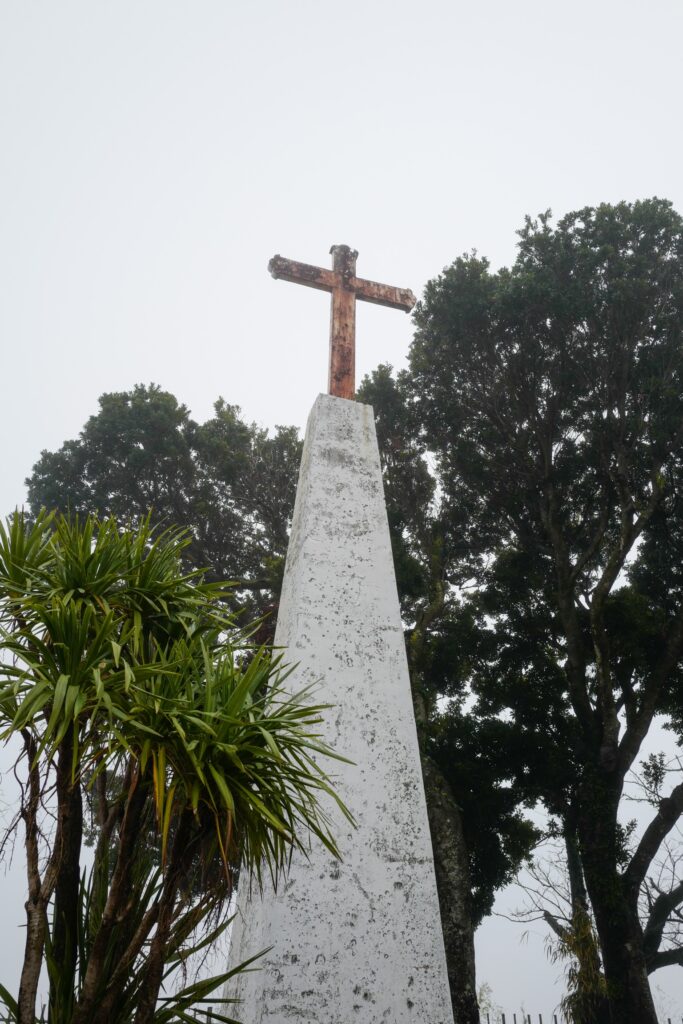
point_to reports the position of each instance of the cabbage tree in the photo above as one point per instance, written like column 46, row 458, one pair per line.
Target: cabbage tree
column 135, row 701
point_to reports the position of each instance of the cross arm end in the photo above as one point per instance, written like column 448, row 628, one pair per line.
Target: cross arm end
column 384, row 294
column 275, row 265
column 302, row 273
column 408, row 299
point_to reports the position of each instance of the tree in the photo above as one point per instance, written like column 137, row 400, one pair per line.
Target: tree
column 478, row 834
column 229, row 481
column 128, row 688
column 556, row 893
column 551, row 398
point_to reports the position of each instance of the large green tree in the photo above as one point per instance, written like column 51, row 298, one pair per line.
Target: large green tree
column 550, row 399
column 230, row 482
column 473, row 764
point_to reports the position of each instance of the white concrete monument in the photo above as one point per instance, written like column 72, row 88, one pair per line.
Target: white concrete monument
column 356, row 940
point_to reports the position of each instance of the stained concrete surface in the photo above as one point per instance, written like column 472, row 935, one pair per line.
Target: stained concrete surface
column 358, row 939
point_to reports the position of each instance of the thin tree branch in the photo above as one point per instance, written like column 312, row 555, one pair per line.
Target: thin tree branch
column 637, row 728
column 670, row 810
column 660, row 909
column 667, row 958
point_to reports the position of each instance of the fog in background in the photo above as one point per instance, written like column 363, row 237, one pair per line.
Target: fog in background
column 155, row 154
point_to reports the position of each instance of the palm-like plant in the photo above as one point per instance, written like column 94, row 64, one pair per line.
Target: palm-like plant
column 130, row 689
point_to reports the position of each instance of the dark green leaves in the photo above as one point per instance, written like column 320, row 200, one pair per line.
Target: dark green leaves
column 229, row 481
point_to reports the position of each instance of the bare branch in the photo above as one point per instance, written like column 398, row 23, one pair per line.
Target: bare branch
column 637, row 728
column 667, row 958
column 660, row 911
column 36, row 904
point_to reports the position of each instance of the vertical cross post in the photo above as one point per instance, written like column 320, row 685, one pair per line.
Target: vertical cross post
column 342, row 375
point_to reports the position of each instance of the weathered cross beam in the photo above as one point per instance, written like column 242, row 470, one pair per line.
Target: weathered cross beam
column 341, row 280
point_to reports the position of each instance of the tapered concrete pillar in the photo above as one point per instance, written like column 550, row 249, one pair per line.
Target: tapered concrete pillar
column 357, row 940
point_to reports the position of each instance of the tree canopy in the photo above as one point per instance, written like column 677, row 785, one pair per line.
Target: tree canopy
column 532, row 455
column 230, row 482
column 161, row 455
column 550, row 400
column 474, row 753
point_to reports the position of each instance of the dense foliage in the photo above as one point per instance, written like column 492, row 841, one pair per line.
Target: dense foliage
column 231, row 483
column 477, row 755
column 142, row 454
column 550, row 399
column 129, row 691
column 532, row 455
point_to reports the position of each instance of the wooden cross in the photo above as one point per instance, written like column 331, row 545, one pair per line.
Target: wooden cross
column 341, row 280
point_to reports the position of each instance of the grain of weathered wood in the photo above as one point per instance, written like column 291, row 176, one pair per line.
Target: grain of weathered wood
column 345, row 287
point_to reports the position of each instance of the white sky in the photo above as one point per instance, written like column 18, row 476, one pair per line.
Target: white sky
column 154, row 154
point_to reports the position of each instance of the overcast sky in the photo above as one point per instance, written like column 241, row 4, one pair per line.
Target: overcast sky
column 154, row 154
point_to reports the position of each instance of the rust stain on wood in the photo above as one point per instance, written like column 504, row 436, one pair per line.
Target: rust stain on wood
column 345, row 288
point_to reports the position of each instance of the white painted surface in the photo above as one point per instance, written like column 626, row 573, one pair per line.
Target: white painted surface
column 356, row 941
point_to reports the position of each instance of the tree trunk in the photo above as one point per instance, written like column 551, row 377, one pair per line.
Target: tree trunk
column 621, row 941
column 33, row 960
column 36, row 904
column 451, row 865
column 176, row 869
column 66, row 898
column 95, row 975
column 616, row 913
column 451, row 861
column 586, row 997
